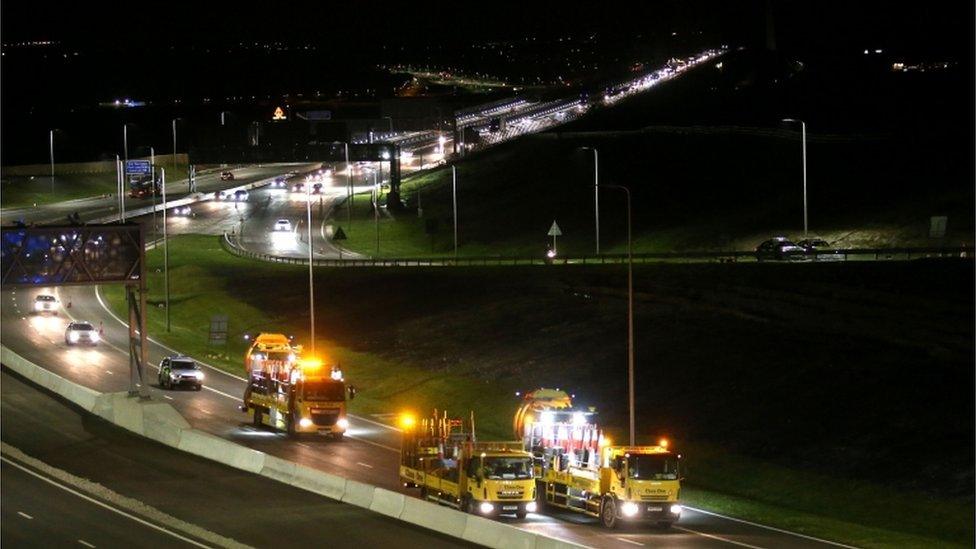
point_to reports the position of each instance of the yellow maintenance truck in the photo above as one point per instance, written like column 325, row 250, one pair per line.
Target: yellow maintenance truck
column 451, row 467
column 293, row 393
column 578, row 469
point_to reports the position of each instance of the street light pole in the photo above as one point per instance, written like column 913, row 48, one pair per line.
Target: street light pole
column 152, row 166
column 52, row 161
column 596, row 196
column 376, row 212
column 174, row 145
column 803, row 132
column 348, row 189
column 630, row 313
column 454, row 195
column 311, row 282
column 125, row 142
column 162, row 174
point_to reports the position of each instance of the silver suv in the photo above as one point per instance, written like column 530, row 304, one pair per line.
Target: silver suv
column 176, row 371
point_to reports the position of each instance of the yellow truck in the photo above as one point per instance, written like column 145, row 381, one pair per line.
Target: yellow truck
column 452, row 468
column 292, row 393
column 579, row 470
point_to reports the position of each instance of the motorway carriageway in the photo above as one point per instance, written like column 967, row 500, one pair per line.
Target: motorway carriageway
column 223, row 506
column 369, row 454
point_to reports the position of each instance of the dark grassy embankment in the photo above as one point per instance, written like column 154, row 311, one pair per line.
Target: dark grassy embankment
column 835, row 399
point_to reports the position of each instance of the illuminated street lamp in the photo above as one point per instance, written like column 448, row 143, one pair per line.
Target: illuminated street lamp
column 803, row 129
column 311, row 283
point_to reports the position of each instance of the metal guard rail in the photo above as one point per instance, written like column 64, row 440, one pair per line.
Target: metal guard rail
column 865, row 254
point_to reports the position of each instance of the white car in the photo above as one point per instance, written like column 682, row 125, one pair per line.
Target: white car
column 45, row 303
column 181, row 210
column 81, row 332
column 282, row 225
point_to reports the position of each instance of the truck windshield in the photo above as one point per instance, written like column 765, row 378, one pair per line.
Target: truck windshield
column 508, row 468
column 324, row 390
column 652, row 467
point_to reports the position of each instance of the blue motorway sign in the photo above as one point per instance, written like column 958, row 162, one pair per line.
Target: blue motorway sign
column 138, row 167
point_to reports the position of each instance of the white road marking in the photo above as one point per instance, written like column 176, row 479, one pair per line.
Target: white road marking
column 717, row 538
column 368, row 466
column 632, row 542
column 99, row 503
column 85, row 543
column 109, row 372
column 167, row 396
column 763, row 526
column 25, row 515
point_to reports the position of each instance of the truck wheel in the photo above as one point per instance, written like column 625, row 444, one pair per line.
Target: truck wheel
column 423, row 493
column 521, row 515
column 466, row 506
column 257, row 417
column 337, row 437
column 608, row 513
column 290, row 425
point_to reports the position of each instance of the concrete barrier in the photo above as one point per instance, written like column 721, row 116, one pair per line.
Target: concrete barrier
column 163, row 423
column 220, row 450
column 434, row 517
column 387, row 503
column 495, row 534
column 358, row 494
column 320, row 482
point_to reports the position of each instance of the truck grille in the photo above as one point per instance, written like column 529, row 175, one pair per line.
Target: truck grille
column 325, row 418
column 654, row 498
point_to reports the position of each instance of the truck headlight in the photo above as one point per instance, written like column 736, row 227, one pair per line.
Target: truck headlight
column 676, row 509
column 305, row 422
column 630, row 509
column 486, row 508
column 531, row 507
column 343, row 423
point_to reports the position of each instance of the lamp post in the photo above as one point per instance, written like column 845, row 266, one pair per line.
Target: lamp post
column 630, row 313
column 311, row 282
column 596, row 195
column 803, row 131
column 52, row 160
column 162, row 174
column 454, row 199
column 174, row 144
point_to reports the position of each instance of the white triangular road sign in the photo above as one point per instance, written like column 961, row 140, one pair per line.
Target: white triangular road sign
column 554, row 230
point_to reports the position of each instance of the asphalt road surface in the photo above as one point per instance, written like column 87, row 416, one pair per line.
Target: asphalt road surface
column 247, row 508
column 369, row 453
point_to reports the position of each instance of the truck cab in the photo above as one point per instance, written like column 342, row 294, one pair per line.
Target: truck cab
column 484, row 478
column 294, row 394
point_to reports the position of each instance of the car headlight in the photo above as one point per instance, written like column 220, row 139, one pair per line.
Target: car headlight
column 73, row 336
column 676, row 509
column 343, row 423
column 531, row 507
column 486, row 508
column 305, row 422
column 94, row 336
column 630, row 509
column 198, row 375
column 38, row 306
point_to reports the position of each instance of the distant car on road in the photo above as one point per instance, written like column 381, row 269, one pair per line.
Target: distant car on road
column 176, row 371
column 220, row 195
column 240, row 195
column 778, row 249
column 814, row 244
column 80, row 332
column 181, row 211
column 298, row 188
column 45, row 303
column 282, row 225
column 279, row 182
column 317, row 188
column 226, row 176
